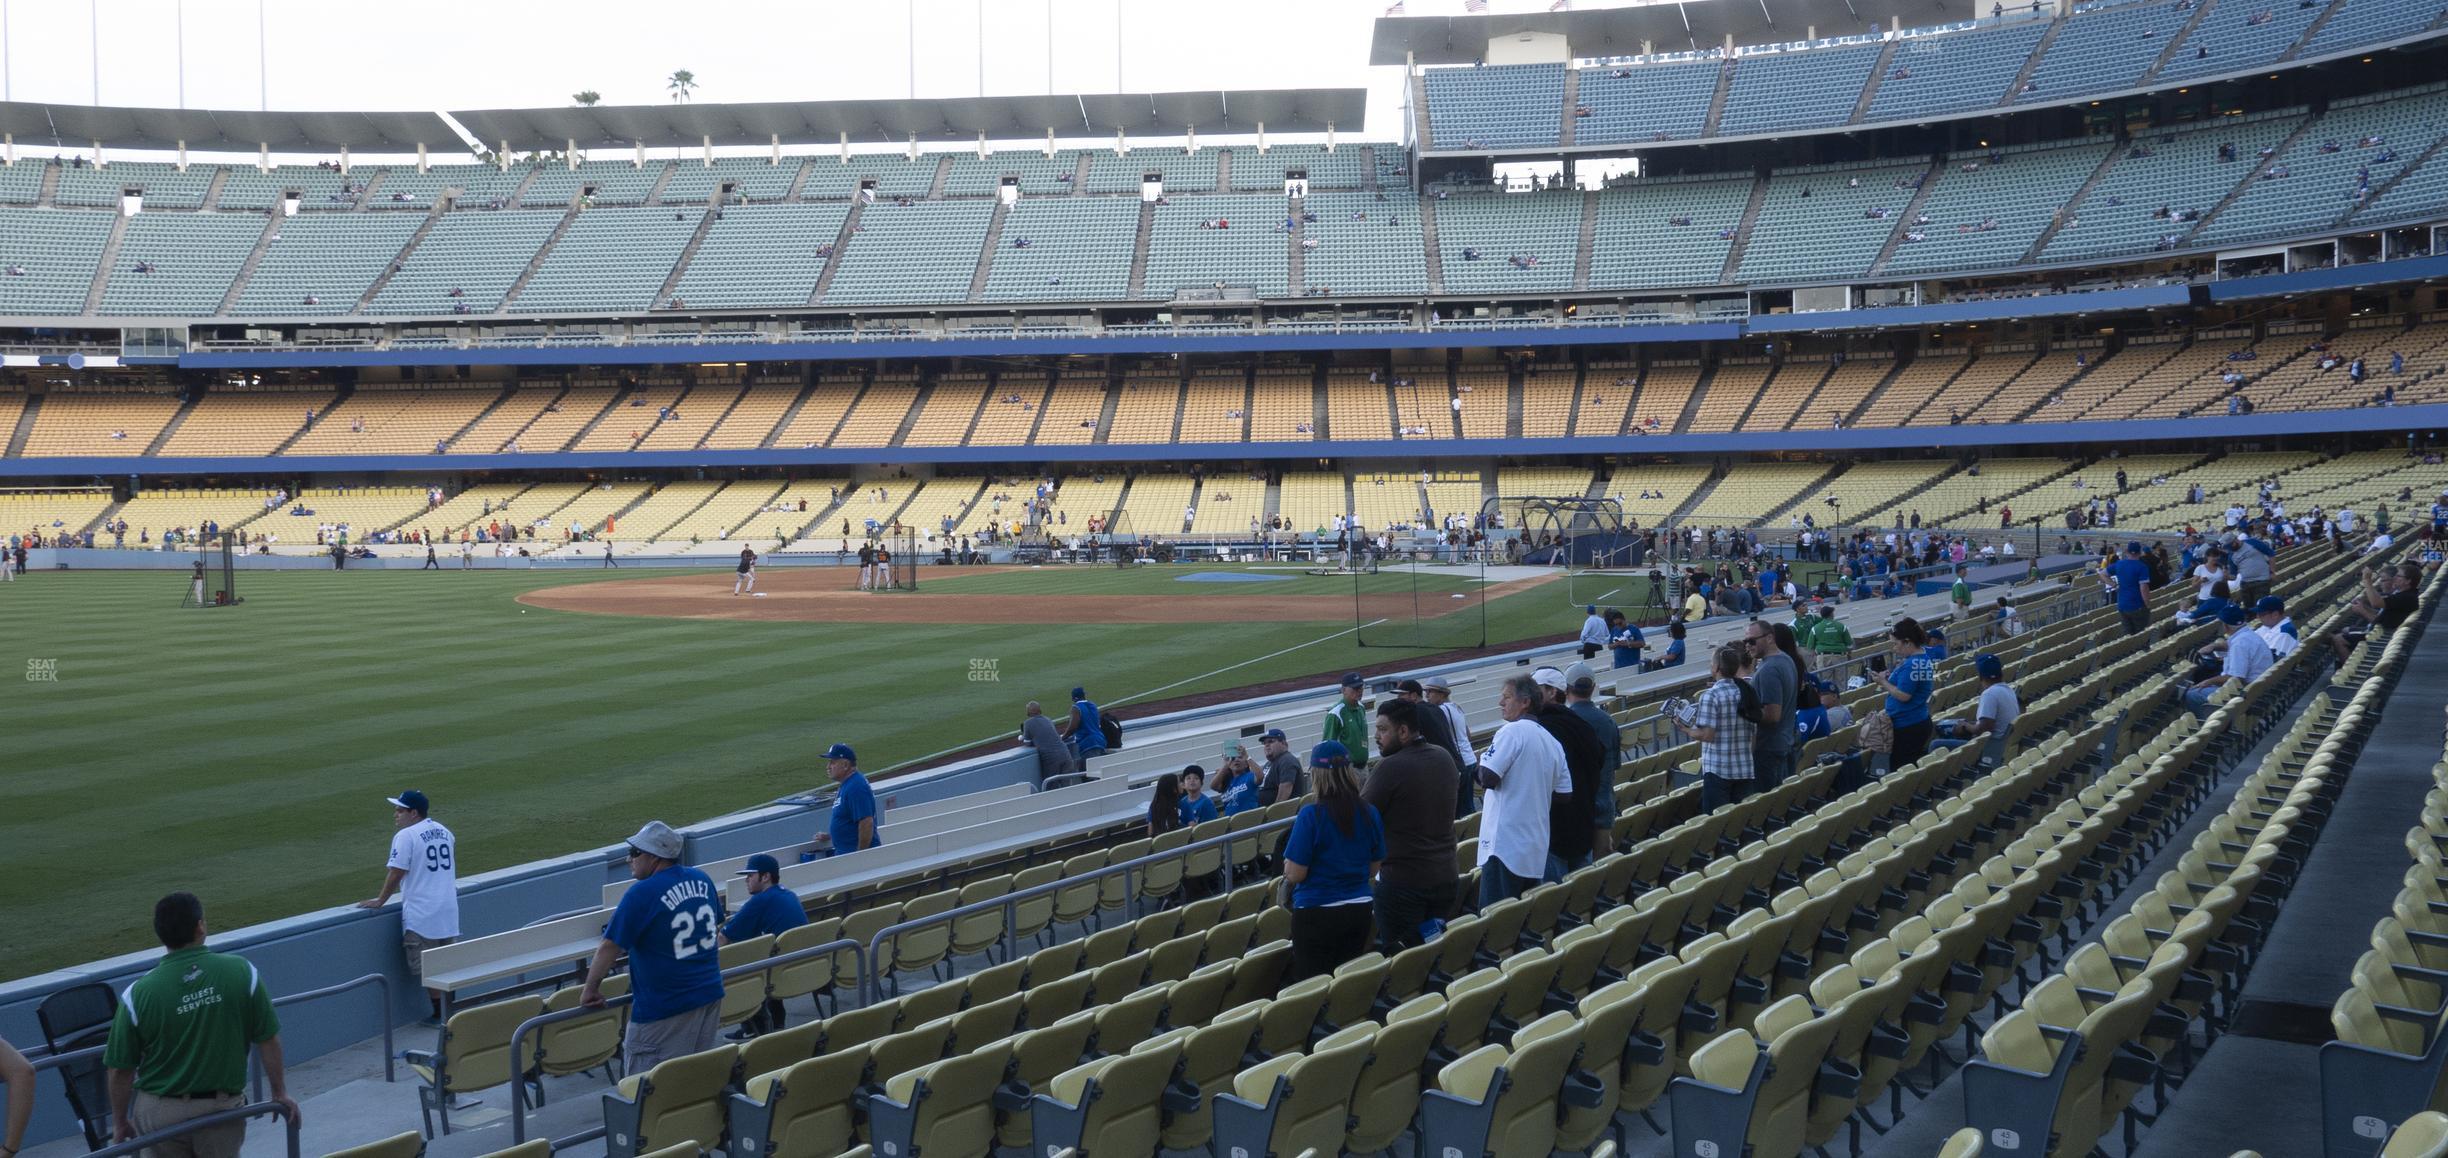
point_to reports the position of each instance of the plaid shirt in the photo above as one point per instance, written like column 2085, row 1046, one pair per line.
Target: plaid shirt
column 1728, row 757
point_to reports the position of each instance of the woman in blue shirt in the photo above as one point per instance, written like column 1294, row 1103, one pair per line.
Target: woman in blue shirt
column 1240, row 790
column 1165, row 807
column 1674, row 649
column 1908, row 682
column 1337, row 843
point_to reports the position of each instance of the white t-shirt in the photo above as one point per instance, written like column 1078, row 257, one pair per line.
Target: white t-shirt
column 2209, row 574
column 1513, row 824
column 2281, row 644
column 429, row 881
column 1459, row 725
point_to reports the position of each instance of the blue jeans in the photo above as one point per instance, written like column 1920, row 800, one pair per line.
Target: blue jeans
column 2198, row 699
column 1497, row 884
column 1716, row 791
column 1772, row 768
column 1401, row 911
column 1556, row 867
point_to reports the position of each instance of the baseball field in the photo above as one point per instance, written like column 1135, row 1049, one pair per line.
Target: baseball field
column 244, row 753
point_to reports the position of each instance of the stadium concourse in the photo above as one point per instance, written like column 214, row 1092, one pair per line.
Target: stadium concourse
column 1823, row 964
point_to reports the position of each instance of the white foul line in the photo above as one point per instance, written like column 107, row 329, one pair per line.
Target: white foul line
column 1140, row 695
column 1247, row 662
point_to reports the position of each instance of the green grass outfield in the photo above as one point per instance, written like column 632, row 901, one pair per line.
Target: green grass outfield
column 243, row 753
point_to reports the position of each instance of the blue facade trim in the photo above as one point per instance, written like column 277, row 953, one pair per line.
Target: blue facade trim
column 1922, row 438
column 2321, row 280
column 1580, row 335
column 1954, row 313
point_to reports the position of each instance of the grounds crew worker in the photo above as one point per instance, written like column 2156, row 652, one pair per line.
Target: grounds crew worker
column 1347, row 724
column 1829, row 638
column 178, row 1044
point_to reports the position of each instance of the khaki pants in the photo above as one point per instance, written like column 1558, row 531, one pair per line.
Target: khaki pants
column 413, row 945
column 153, row 1112
column 679, row 1035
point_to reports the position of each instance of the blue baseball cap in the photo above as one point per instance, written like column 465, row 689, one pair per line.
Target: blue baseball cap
column 841, row 752
column 2232, row 615
column 760, row 863
column 1990, row 667
column 1273, row 734
column 2134, row 547
column 2269, row 603
column 1328, row 752
column 413, row 799
column 1351, row 679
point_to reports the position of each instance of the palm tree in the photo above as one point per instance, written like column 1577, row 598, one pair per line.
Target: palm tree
column 682, row 83
column 587, row 99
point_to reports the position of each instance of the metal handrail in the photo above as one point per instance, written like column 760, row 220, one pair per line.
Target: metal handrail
column 45, row 1061
column 518, row 1037
column 1010, row 902
column 217, row 1118
column 378, row 980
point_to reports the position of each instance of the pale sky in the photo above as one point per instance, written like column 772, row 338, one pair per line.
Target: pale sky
column 330, row 54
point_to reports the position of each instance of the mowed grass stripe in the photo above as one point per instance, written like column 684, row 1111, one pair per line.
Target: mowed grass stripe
column 244, row 752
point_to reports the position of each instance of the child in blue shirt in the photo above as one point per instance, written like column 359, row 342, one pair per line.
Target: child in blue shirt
column 1196, row 806
column 1240, row 792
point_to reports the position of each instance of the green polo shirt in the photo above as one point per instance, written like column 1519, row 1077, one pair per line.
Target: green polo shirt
column 185, row 1027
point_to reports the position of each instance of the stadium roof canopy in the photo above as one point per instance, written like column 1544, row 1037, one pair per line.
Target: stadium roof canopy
column 684, row 125
column 209, row 130
column 953, row 118
column 1667, row 26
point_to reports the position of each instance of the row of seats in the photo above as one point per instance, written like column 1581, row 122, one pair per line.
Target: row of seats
column 1931, row 72
column 2114, row 1020
column 1987, row 211
column 2384, row 1070
column 1194, row 994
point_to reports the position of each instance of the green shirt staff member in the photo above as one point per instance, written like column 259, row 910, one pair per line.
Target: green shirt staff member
column 178, row 1045
column 1347, row 723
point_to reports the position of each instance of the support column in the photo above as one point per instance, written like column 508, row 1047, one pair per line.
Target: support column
column 777, row 151
column 1121, row 143
column 569, row 153
column 1049, row 150
column 845, row 147
column 423, row 162
column 97, row 154
column 344, row 158
column 1193, row 135
column 1262, row 137
column 501, row 156
column 706, row 142
column 182, row 155
column 913, row 145
column 263, row 156
column 639, row 161
column 8, row 148
column 1330, row 141
column 981, row 144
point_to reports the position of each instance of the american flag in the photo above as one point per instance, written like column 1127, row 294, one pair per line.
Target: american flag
column 1475, row 7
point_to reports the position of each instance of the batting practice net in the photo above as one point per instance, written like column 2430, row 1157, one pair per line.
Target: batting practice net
column 1599, row 550
column 1419, row 594
column 901, row 574
column 215, row 582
